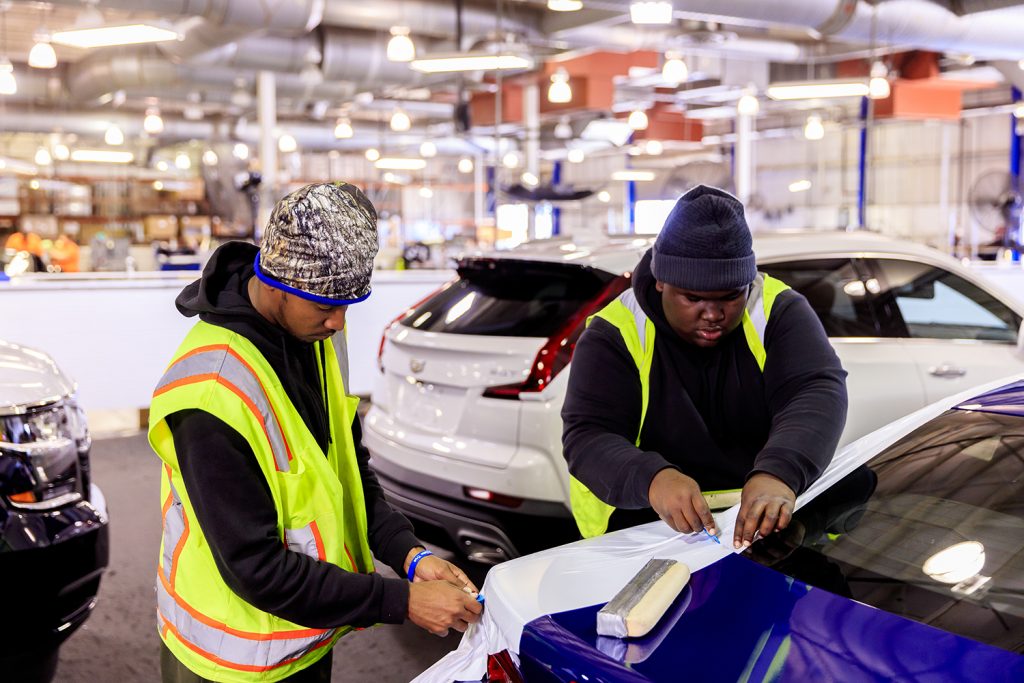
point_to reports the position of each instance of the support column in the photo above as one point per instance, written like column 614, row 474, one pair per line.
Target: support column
column 945, row 164
column 862, row 161
column 266, row 92
column 743, row 156
column 556, row 212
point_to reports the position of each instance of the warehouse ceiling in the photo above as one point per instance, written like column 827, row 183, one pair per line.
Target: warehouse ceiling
column 329, row 58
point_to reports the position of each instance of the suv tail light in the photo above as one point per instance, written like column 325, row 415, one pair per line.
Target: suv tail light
column 501, row 669
column 557, row 350
column 402, row 316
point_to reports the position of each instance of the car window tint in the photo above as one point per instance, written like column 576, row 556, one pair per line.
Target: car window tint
column 836, row 292
column 509, row 298
column 931, row 529
column 936, row 304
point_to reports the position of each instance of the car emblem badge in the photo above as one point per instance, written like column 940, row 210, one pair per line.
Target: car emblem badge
column 416, row 365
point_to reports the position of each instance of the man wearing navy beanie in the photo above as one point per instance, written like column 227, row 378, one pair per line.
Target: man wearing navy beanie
column 705, row 384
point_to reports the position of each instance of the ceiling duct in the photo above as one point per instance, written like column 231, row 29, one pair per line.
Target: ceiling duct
column 432, row 17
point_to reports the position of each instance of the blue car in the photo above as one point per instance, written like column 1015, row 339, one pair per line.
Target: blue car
column 905, row 561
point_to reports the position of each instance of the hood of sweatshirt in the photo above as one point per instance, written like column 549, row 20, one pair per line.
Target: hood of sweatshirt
column 221, row 297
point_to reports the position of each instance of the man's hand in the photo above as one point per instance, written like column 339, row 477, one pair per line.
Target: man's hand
column 433, row 568
column 438, row 606
column 766, row 505
column 678, row 501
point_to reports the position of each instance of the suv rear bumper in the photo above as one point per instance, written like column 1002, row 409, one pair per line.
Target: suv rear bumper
column 479, row 531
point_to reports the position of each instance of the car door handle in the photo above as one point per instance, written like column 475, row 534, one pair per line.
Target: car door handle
column 946, row 370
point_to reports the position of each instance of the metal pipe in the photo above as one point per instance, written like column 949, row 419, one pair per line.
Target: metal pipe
column 267, row 112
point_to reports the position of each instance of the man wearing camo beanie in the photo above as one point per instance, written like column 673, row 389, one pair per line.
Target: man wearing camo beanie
column 272, row 515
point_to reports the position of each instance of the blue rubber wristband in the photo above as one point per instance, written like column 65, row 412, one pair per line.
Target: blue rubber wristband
column 415, row 561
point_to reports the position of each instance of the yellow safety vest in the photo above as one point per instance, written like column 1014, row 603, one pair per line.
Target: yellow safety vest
column 319, row 500
column 592, row 513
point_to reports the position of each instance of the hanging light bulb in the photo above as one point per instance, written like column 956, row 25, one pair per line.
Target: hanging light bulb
column 638, row 119
column 43, row 157
column 814, row 129
column 241, row 151
column 426, row 192
column 510, row 160
column 210, row 158
column 286, row 143
column 529, row 179
column 61, row 152
column 576, row 156
column 401, row 47
column 428, row 149
column 878, row 86
column 560, row 92
column 42, row 56
column 604, row 196
column 674, row 70
column 654, row 147
column 113, row 136
column 372, row 154
column 563, row 129
column 748, row 104
column 182, row 161
column 343, row 129
column 465, row 165
column 400, row 121
column 153, row 123
column 8, row 84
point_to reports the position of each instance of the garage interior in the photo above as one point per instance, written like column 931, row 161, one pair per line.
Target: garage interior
column 138, row 135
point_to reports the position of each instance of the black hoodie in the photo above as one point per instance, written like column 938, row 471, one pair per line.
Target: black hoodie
column 232, row 499
column 711, row 412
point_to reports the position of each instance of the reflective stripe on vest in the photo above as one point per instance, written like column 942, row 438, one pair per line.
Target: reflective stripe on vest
column 235, row 649
column 637, row 330
column 219, row 362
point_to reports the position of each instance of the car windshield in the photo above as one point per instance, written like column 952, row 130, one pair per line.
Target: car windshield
column 931, row 529
column 509, row 298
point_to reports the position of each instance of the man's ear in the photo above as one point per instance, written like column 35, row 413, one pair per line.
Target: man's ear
column 659, row 285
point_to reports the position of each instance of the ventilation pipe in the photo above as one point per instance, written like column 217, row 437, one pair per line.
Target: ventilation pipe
column 430, row 17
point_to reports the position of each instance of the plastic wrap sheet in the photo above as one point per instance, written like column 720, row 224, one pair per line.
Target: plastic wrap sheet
column 592, row 571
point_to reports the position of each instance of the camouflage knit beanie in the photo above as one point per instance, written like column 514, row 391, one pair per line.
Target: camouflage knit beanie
column 319, row 244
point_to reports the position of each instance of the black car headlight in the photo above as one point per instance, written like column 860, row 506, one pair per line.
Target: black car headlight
column 44, row 456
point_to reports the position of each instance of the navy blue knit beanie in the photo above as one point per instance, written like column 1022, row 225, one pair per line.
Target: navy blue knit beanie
column 705, row 245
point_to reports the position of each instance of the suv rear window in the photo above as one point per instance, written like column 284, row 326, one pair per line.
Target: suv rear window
column 509, row 298
column 930, row 529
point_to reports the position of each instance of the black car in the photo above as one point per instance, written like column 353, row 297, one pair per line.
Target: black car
column 54, row 535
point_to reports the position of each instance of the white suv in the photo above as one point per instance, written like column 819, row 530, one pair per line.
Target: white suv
column 465, row 430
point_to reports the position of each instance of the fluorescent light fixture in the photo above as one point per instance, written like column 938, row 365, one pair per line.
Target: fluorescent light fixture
column 814, row 129
column 800, row 186
column 465, row 165
column 674, row 70
column 614, row 131
column 400, row 121
column 113, row 136
column 106, row 156
column 287, row 143
column 401, row 47
column 638, row 119
column 565, row 5
column 42, row 56
column 8, row 85
column 153, row 123
column 576, row 156
column 630, row 175
column 17, row 166
column 105, row 36
column 428, row 149
column 400, row 164
column 820, row 89
column 343, row 129
column 650, row 12
column 560, row 92
column 471, row 62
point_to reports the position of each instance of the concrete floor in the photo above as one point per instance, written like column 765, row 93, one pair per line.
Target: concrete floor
column 119, row 642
